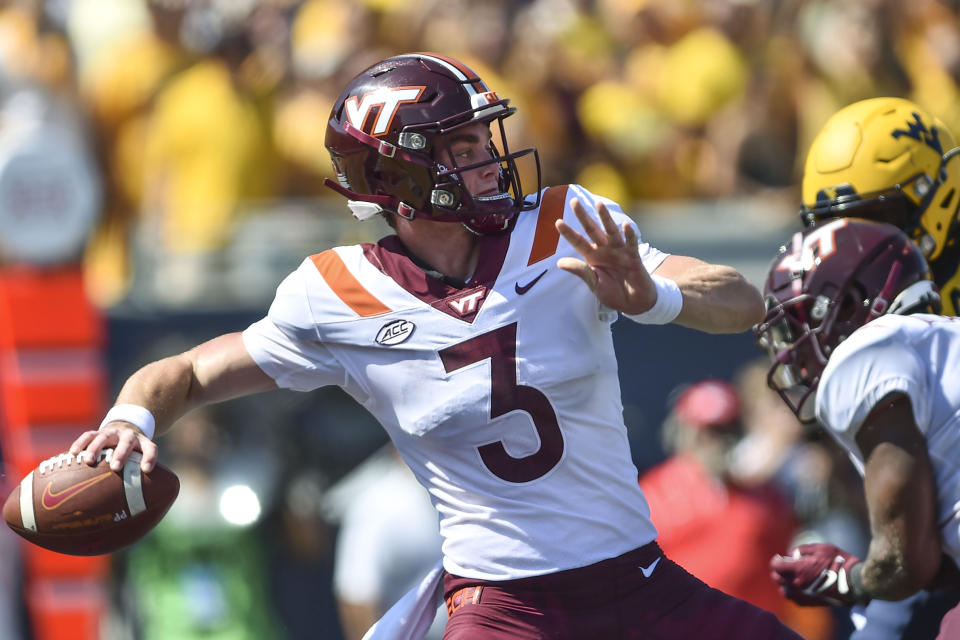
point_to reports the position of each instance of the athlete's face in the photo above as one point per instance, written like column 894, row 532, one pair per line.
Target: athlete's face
column 471, row 145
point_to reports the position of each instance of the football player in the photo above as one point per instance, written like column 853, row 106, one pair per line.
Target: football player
column 855, row 345
column 489, row 365
column 888, row 159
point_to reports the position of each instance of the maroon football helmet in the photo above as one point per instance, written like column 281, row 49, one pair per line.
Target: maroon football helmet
column 385, row 132
column 831, row 279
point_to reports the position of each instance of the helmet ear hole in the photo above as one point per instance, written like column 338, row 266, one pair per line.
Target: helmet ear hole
column 946, row 203
column 852, row 303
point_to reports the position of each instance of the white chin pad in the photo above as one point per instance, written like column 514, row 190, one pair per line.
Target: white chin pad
column 364, row 210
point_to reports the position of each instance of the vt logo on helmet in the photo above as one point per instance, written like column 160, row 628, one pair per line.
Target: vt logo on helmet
column 384, row 102
column 827, row 282
column 392, row 136
column 883, row 159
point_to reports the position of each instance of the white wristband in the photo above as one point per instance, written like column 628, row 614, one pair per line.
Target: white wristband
column 668, row 304
column 136, row 415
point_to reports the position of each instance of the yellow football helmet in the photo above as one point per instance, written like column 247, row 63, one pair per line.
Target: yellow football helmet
column 888, row 159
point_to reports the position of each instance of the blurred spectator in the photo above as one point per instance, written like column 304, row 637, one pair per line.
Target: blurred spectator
column 205, row 561
column 118, row 82
column 654, row 99
column 699, row 508
column 927, row 42
column 389, row 539
column 771, row 431
column 301, row 560
column 207, row 148
column 324, row 35
column 814, row 473
column 34, row 48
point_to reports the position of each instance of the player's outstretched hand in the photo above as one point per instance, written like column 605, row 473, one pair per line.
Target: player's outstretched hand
column 816, row 575
column 123, row 438
column 611, row 264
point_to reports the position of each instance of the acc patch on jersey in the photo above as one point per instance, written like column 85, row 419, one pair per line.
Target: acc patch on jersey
column 395, row 332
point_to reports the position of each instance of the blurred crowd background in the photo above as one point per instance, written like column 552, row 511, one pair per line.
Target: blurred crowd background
column 198, row 112
column 190, row 133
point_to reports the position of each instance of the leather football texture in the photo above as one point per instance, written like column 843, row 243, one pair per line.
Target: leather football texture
column 68, row 506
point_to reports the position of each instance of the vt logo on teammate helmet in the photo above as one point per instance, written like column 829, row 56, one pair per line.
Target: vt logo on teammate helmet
column 828, row 281
column 884, row 159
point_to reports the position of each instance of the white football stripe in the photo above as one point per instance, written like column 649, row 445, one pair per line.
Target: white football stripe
column 133, row 485
column 27, row 515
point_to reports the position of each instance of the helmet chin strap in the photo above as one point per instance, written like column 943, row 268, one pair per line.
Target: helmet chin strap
column 881, row 302
column 364, row 206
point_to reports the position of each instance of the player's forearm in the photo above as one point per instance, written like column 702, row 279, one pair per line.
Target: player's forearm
column 163, row 388
column 717, row 299
column 904, row 554
column 887, row 574
column 211, row 372
column 900, row 492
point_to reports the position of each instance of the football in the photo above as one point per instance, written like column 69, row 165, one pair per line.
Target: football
column 68, row 506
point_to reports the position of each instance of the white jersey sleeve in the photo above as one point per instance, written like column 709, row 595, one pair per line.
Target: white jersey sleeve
column 286, row 343
column 915, row 355
column 875, row 361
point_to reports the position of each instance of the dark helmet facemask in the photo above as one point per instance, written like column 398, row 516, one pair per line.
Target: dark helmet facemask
column 451, row 196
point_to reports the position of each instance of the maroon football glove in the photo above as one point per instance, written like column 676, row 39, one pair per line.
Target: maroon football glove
column 817, row 575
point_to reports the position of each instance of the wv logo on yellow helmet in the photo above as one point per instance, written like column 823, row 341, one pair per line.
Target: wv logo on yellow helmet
column 919, row 132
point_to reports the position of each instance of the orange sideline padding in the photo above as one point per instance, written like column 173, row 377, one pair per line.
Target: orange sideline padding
column 47, row 308
column 42, row 564
column 54, row 401
column 66, row 608
column 53, row 386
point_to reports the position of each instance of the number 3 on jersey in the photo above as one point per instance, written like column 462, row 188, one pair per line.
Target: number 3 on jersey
column 500, row 346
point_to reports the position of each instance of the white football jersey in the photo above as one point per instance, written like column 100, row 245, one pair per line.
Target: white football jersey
column 916, row 355
column 502, row 396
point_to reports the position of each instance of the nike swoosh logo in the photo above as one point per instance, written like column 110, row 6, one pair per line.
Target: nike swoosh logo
column 53, row 499
column 522, row 289
column 648, row 570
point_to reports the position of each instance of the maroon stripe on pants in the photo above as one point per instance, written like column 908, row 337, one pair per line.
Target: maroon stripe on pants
column 609, row 600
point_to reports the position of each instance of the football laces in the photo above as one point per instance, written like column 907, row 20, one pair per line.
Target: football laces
column 66, row 458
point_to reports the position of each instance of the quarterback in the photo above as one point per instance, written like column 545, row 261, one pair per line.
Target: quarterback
column 478, row 334
column 855, row 345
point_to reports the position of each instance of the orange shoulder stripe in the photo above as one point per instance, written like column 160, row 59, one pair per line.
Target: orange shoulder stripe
column 345, row 286
column 546, row 238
